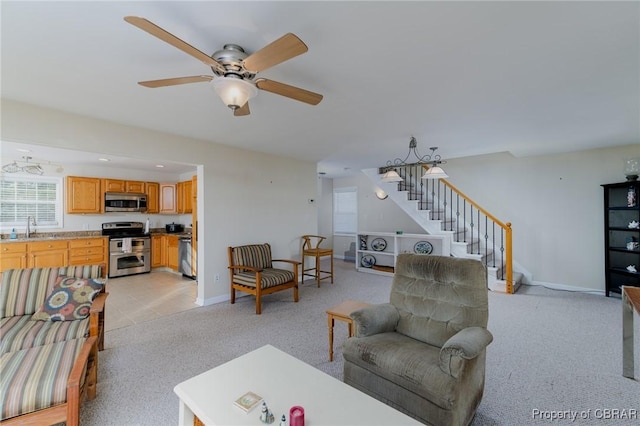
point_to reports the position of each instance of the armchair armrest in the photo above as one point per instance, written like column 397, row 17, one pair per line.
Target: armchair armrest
column 466, row 344
column 375, row 319
column 98, row 303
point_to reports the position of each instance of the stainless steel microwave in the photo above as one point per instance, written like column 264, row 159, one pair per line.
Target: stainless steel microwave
column 125, row 202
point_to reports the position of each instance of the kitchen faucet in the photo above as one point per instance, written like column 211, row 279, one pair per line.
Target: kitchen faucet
column 30, row 221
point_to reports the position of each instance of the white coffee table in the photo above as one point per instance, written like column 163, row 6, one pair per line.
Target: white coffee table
column 283, row 381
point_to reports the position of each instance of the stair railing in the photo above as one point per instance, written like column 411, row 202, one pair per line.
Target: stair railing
column 485, row 235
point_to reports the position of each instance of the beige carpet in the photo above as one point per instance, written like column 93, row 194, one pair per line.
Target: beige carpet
column 553, row 352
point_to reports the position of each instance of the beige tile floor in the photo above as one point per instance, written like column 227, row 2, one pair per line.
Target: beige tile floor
column 143, row 297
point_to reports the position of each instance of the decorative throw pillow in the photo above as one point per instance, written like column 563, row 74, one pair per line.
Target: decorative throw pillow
column 70, row 299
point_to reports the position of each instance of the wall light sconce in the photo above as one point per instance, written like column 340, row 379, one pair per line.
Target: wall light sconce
column 381, row 195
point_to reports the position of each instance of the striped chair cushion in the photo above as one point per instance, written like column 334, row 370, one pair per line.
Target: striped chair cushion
column 81, row 271
column 255, row 255
column 20, row 332
column 36, row 378
column 270, row 278
column 23, row 291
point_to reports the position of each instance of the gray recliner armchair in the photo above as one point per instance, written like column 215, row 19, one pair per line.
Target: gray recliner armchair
column 424, row 352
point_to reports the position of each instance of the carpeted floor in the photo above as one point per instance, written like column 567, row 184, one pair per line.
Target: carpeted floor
column 554, row 352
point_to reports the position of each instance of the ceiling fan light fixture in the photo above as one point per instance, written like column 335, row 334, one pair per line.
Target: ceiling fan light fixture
column 234, row 91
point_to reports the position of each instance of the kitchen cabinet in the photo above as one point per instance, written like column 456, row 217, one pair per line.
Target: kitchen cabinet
column 172, row 251
column 167, row 198
column 184, row 196
column 158, row 251
column 84, row 195
column 153, row 197
column 88, row 251
column 44, row 254
column 14, row 256
column 51, row 253
column 621, row 236
column 134, row 186
column 121, row 185
column 114, row 185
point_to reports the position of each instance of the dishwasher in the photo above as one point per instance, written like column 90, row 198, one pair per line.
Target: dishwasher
column 184, row 257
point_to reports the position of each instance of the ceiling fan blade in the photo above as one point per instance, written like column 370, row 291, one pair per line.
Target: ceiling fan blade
column 243, row 110
column 286, row 47
column 175, row 81
column 289, row 91
column 167, row 37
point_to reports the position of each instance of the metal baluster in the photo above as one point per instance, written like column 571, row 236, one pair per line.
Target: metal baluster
column 478, row 229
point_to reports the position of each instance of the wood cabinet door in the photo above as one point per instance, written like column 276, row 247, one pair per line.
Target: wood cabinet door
column 180, row 197
column 153, row 195
column 158, row 251
column 114, row 185
column 172, row 252
column 84, row 195
column 48, row 259
column 188, row 197
column 13, row 256
column 167, row 198
column 135, row 186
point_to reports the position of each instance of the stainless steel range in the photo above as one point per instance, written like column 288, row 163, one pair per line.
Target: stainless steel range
column 129, row 248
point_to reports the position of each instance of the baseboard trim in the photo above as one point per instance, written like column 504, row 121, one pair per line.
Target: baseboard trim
column 564, row 287
column 212, row 300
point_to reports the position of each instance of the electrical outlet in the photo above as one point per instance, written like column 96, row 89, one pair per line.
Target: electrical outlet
column 216, row 277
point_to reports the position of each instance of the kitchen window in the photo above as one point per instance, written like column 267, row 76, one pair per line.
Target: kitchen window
column 37, row 196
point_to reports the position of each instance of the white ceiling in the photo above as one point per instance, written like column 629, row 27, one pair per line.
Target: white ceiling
column 470, row 77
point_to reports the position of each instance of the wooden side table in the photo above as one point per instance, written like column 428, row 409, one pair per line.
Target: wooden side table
column 630, row 301
column 341, row 313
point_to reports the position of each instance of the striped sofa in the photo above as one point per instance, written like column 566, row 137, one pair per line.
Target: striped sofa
column 47, row 366
column 251, row 271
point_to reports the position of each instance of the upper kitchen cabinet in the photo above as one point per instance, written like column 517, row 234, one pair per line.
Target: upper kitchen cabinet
column 119, row 185
column 153, row 197
column 167, row 198
column 114, row 185
column 135, row 186
column 84, row 195
column 185, row 196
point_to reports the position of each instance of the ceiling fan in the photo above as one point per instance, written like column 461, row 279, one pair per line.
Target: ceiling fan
column 234, row 69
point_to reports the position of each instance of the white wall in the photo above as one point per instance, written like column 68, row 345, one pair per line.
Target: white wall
column 243, row 196
column 555, row 205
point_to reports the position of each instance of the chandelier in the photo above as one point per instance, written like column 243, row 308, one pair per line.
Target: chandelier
column 27, row 167
column 432, row 160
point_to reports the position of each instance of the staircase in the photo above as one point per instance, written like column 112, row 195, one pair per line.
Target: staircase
column 441, row 209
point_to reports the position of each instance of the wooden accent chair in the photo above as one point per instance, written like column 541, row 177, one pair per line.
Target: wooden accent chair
column 311, row 248
column 251, row 271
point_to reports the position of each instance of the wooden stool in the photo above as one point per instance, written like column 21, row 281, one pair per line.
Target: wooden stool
column 311, row 248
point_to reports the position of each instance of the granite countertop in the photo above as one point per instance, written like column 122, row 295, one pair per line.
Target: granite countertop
column 47, row 236
column 70, row 235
